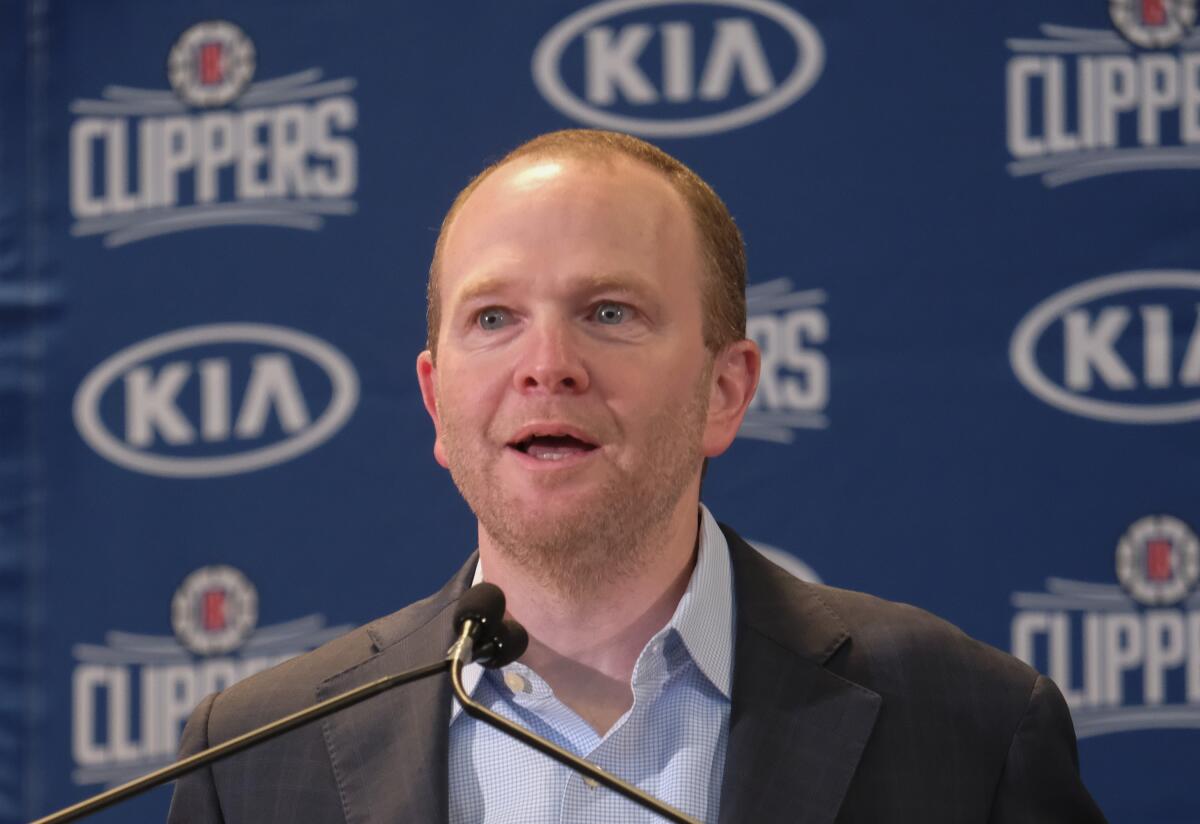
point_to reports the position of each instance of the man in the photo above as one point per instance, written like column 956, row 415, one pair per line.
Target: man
column 587, row 355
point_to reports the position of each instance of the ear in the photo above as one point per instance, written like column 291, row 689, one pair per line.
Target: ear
column 427, row 380
column 734, row 379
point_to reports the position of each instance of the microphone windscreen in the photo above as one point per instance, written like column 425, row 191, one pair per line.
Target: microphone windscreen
column 509, row 644
column 483, row 603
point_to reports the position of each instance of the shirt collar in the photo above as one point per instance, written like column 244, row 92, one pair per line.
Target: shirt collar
column 703, row 618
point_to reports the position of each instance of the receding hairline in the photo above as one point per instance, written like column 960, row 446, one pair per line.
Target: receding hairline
column 605, row 157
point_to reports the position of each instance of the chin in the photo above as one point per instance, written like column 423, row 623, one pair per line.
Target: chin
column 546, row 504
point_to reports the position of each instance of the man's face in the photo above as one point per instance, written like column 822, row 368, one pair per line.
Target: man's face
column 572, row 386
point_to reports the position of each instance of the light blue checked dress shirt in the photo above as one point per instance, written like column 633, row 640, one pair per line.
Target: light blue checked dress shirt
column 671, row 743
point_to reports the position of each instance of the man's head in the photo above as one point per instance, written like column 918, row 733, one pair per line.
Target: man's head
column 722, row 251
column 579, row 383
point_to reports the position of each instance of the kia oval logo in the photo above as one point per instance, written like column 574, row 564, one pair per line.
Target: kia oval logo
column 214, row 400
column 702, row 74
column 1123, row 348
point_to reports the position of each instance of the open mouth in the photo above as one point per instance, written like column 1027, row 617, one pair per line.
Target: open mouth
column 552, row 447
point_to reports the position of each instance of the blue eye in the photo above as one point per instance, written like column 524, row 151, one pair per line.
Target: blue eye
column 609, row 313
column 493, row 318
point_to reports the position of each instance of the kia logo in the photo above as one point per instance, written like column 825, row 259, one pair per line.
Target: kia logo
column 678, row 76
column 1123, row 348
column 215, row 400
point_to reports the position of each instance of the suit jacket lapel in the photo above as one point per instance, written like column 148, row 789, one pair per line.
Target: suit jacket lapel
column 390, row 753
column 796, row 730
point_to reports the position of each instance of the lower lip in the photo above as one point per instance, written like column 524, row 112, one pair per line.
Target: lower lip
column 550, row 464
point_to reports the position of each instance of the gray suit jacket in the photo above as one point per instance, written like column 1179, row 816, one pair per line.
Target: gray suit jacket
column 846, row 708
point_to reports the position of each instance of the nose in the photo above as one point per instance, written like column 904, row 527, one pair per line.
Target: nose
column 551, row 362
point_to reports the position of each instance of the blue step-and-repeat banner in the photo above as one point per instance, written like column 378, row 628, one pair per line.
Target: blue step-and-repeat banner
column 974, row 244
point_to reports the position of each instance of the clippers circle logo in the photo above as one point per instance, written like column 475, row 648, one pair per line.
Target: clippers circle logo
column 131, row 695
column 1123, row 348
column 666, row 68
column 211, row 64
column 215, row 149
column 1126, row 657
column 215, row 400
column 1153, row 24
column 214, row 610
column 1158, row 560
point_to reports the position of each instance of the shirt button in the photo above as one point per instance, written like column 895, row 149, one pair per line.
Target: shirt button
column 591, row 782
column 515, row 682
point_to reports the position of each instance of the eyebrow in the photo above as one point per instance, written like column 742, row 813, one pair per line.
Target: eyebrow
column 619, row 281
column 482, row 286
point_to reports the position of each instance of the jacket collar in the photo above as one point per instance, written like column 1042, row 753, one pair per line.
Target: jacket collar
column 796, row 730
column 389, row 753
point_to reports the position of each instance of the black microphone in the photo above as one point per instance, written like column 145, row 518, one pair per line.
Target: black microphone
column 508, row 641
column 480, row 618
column 486, row 635
column 483, row 602
column 507, row 645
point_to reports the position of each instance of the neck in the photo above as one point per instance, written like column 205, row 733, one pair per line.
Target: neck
column 586, row 648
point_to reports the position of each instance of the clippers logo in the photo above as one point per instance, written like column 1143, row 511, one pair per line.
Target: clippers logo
column 214, row 610
column 1083, row 103
column 278, row 152
column 793, row 390
column 1153, row 24
column 211, row 64
column 1158, row 560
column 132, row 694
column 215, row 400
column 1123, row 348
column 651, row 68
column 1125, row 657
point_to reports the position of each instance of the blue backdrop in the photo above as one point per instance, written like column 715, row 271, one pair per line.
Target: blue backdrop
column 974, row 244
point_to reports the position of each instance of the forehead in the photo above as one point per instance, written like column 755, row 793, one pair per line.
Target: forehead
column 615, row 204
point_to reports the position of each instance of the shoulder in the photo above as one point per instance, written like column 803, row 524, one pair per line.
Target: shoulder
column 295, row 684
column 286, row 687
column 952, row 711
column 896, row 645
column 905, row 653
